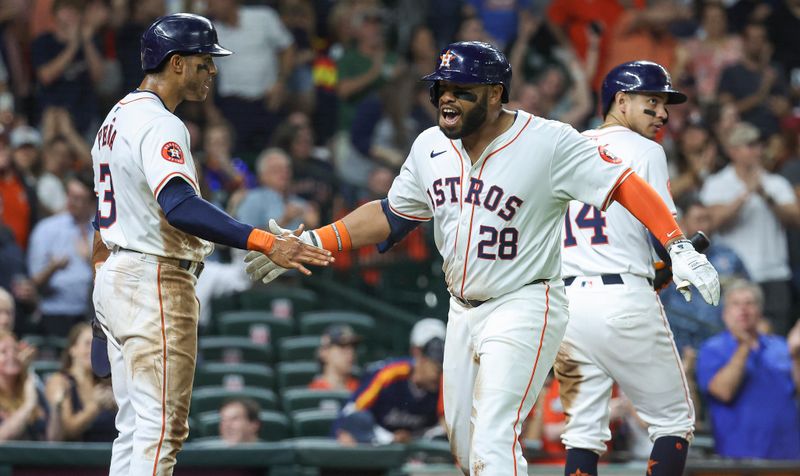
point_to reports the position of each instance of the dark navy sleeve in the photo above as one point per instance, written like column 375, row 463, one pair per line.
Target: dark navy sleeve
column 186, row 211
column 660, row 250
column 399, row 226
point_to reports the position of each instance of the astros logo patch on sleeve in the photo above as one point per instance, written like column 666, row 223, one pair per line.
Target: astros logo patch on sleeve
column 172, row 151
column 606, row 155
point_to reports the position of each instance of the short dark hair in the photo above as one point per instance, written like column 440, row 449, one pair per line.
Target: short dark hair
column 162, row 65
column 251, row 407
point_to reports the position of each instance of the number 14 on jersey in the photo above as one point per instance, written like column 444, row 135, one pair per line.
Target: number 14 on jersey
column 596, row 222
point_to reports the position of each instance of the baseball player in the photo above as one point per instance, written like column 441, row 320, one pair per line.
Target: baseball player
column 151, row 217
column 496, row 183
column 617, row 328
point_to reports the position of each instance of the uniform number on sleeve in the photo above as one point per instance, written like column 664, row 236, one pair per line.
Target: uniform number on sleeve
column 498, row 243
column 597, row 221
column 107, row 205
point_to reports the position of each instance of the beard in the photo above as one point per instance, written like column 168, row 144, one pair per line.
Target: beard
column 472, row 121
column 195, row 90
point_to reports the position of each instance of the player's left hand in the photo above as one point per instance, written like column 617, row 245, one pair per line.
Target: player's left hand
column 691, row 267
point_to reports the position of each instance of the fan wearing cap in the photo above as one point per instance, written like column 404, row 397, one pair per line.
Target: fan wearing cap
column 159, row 229
column 398, row 399
column 337, row 355
column 26, row 145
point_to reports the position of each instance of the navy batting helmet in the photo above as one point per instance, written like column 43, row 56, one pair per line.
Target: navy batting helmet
column 639, row 77
column 471, row 62
column 183, row 33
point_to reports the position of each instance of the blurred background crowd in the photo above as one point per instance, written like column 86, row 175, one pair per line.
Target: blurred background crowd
column 312, row 116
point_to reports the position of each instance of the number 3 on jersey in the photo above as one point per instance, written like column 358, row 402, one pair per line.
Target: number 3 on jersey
column 582, row 220
column 107, row 207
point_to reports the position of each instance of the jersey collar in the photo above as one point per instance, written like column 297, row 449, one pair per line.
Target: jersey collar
column 147, row 91
column 520, row 121
column 604, row 130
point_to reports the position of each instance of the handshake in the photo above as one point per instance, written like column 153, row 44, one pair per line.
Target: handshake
column 261, row 267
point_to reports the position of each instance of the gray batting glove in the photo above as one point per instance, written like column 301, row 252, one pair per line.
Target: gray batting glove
column 260, row 267
column 691, row 267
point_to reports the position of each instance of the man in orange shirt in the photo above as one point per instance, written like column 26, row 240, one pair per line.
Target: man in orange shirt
column 643, row 33
column 18, row 199
column 577, row 20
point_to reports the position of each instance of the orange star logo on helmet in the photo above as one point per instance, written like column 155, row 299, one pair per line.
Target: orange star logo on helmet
column 446, row 58
column 650, row 464
column 579, row 473
column 606, row 155
column 172, row 151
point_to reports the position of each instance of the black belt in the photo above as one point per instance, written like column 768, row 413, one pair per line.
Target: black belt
column 606, row 278
column 476, row 303
column 184, row 264
column 187, row 265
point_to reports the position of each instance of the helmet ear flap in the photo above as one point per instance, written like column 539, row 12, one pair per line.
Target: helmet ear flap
column 434, row 93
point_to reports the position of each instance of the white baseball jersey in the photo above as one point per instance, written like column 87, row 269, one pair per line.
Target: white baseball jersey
column 139, row 148
column 627, row 314
column 499, row 221
column 614, row 241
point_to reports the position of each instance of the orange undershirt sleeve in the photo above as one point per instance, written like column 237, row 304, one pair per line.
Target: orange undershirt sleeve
column 646, row 205
column 260, row 240
column 335, row 237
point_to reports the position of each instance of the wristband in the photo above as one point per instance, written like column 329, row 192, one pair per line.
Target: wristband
column 260, row 240
column 681, row 244
column 334, row 237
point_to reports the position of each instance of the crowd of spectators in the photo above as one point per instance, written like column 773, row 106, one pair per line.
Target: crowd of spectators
column 315, row 113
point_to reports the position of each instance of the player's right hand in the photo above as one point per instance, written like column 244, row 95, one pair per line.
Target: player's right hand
column 263, row 268
column 290, row 252
column 691, row 267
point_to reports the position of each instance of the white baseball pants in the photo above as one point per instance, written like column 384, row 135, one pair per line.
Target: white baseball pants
column 148, row 310
column 619, row 333
column 496, row 358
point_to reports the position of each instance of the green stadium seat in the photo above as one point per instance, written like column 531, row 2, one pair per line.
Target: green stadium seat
column 208, row 399
column 194, row 429
column 260, row 327
column 226, row 303
column 33, row 339
column 296, row 374
column 313, row 423
column 295, row 399
column 234, row 376
column 274, row 425
column 281, row 300
column 298, row 348
column 48, row 347
column 232, row 350
column 316, row 322
column 44, row 368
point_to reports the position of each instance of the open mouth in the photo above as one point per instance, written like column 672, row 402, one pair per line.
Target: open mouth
column 450, row 115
